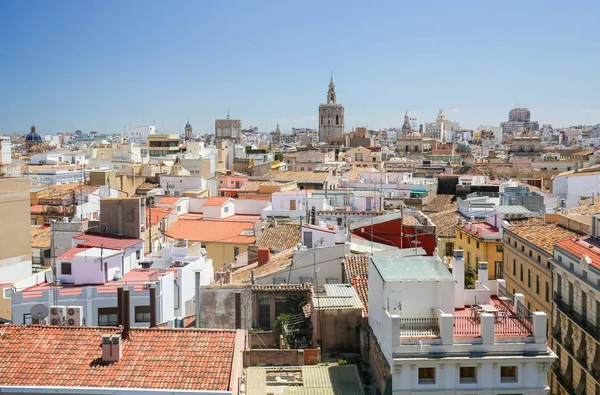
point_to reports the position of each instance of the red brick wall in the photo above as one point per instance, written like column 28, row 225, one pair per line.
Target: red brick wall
column 312, row 356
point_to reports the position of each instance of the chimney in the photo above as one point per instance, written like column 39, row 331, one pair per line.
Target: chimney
column 264, row 255
column 238, row 310
column 469, row 226
column 126, row 314
column 120, row 306
column 198, row 298
column 484, row 233
column 458, row 271
column 153, row 306
column 476, row 229
column 111, row 348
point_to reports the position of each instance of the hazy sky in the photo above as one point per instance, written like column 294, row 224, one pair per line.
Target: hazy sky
column 105, row 65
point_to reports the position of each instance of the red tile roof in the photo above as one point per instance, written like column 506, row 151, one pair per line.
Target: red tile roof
column 158, row 213
column 37, row 209
column 169, row 200
column 187, row 359
column 357, row 265
column 581, row 247
column 105, row 240
column 70, row 254
column 362, row 289
column 216, row 201
column 212, row 231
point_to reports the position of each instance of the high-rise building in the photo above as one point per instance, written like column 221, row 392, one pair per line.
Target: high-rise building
column 331, row 116
column 519, row 121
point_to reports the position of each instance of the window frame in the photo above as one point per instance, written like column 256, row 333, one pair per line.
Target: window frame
column 141, row 313
column 467, row 379
column 108, row 311
column 511, row 378
column 426, row 379
column 62, row 268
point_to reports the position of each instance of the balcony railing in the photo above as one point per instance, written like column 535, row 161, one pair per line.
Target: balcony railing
column 505, row 294
column 576, row 317
column 466, row 327
column 419, row 327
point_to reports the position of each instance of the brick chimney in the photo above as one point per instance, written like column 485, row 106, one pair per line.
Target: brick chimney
column 112, row 350
column 264, row 255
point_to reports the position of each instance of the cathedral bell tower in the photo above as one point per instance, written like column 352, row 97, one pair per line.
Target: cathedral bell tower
column 331, row 116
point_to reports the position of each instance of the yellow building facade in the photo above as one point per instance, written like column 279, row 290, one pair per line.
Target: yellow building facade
column 481, row 242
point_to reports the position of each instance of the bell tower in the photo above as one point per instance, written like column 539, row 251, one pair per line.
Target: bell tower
column 331, row 116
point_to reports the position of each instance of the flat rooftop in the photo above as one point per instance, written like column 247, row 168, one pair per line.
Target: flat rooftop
column 136, row 278
column 412, row 268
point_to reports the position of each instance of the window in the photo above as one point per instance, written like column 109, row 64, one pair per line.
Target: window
column 499, row 269
column 547, row 291
column 508, row 374
column 514, row 267
column 522, row 248
column 477, row 245
column 65, row 268
column 468, row 241
column 138, row 254
column 306, row 280
column 499, row 248
column 108, row 316
column 515, row 244
column 142, row 313
column 539, row 258
column 426, row 375
column 521, row 272
column 236, row 251
column 7, row 292
column 226, row 209
column 529, row 278
column 537, row 284
column 468, row 374
column 264, row 313
column 280, row 307
column 27, row 319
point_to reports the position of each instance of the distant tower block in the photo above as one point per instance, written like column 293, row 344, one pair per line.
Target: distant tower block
column 331, row 116
column 188, row 130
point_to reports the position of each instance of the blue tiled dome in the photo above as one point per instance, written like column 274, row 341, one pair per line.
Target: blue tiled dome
column 33, row 136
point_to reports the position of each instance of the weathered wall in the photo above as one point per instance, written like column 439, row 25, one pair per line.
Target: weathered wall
column 263, row 340
column 338, row 329
column 217, row 307
column 121, row 216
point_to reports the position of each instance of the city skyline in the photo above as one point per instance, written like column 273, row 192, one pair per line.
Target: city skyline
column 108, row 66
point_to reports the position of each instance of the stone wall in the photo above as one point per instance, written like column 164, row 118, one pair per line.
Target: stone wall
column 273, row 358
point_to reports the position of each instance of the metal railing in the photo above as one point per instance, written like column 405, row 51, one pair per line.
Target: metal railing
column 503, row 292
column 524, row 314
column 466, row 327
column 512, row 326
column 576, row 317
column 419, row 327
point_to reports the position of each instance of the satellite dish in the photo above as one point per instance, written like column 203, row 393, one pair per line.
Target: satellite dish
column 39, row 312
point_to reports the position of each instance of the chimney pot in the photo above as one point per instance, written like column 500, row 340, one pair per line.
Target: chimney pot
column 264, row 255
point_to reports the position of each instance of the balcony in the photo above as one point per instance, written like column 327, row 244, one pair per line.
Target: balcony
column 576, row 317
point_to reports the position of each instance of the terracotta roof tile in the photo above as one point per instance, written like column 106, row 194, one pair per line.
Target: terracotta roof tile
column 440, row 203
column 543, row 236
column 152, row 358
column 362, row 289
column 40, row 237
column 581, row 247
column 168, row 200
column 444, row 222
column 212, row 231
column 357, row 265
column 98, row 240
column 280, row 237
column 216, row 201
column 276, row 263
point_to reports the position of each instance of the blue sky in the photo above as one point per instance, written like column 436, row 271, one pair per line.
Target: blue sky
column 105, row 65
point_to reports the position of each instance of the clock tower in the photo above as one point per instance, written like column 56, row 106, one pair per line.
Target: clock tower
column 331, row 116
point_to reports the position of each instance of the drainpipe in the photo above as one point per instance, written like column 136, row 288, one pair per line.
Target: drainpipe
column 197, row 299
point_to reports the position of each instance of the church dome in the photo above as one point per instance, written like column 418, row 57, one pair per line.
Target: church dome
column 188, row 125
column 33, row 136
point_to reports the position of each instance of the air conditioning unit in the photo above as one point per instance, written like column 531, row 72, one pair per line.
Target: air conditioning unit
column 74, row 316
column 57, row 315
